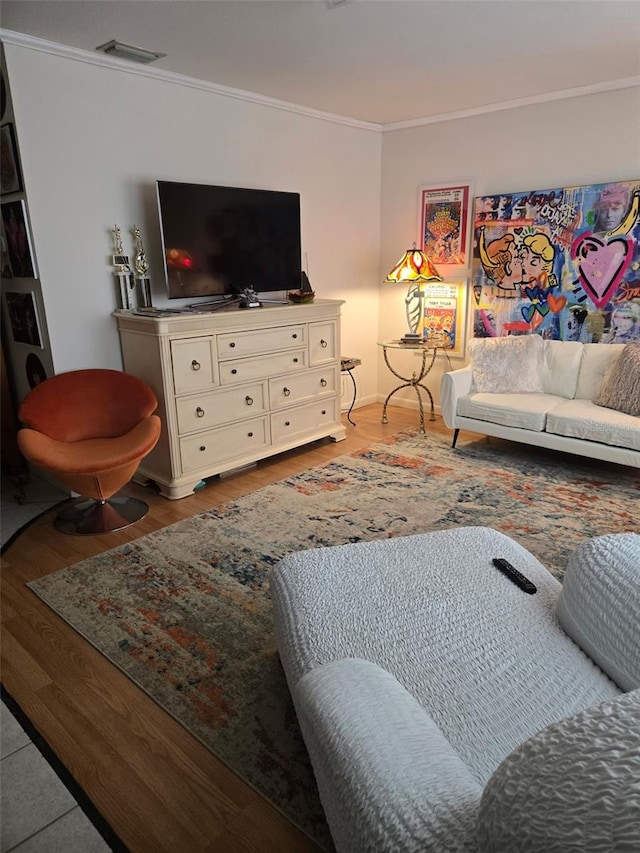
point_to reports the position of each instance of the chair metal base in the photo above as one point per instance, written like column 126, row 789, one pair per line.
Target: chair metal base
column 88, row 517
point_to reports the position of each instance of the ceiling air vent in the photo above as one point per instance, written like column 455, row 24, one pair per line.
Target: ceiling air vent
column 130, row 52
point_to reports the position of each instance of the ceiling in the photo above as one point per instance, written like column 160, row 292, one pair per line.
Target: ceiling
column 382, row 61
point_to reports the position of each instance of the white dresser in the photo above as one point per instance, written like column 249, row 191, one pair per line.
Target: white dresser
column 234, row 385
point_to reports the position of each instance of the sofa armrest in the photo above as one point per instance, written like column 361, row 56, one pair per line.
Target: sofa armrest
column 388, row 778
column 571, row 787
column 454, row 384
column 599, row 604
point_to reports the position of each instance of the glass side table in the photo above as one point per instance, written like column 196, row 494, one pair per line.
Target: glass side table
column 415, row 381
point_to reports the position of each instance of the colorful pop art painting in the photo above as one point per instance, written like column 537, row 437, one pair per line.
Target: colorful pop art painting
column 563, row 263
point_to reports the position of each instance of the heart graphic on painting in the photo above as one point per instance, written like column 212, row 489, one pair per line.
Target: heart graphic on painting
column 528, row 311
column 601, row 265
column 580, row 315
column 533, row 292
column 556, row 303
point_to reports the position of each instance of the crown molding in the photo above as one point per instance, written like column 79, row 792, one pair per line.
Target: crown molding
column 596, row 88
column 99, row 59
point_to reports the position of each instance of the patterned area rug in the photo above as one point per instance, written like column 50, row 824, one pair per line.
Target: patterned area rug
column 185, row 611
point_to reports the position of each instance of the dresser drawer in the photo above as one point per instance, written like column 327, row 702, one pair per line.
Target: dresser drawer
column 235, row 344
column 202, row 411
column 261, row 366
column 209, row 449
column 310, row 385
column 313, row 417
column 323, row 344
column 192, row 364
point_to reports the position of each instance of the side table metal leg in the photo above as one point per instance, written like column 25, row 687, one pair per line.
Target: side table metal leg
column 424, row 388
column 421, row 407
column 353, row 401
column 389, row 396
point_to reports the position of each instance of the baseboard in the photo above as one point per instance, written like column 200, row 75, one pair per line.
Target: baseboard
column 403, row 403
column 359, row 403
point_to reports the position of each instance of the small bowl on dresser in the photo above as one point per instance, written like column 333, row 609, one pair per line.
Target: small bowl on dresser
column 301, row 297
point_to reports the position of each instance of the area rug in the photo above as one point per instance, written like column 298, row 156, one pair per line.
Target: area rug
column 185, row 611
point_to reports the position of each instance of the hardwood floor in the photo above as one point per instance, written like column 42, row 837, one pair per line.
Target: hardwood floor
column 157, row 786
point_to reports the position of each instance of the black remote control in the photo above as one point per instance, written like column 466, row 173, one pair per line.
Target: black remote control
column 514, row 575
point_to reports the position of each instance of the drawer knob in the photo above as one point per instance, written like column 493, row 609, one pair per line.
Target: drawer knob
column 294, row 335
column 195, row 365
column 199, row 412
column 295, row 360
column 324, row 412
column 287, row 423
column 233, row 371
column 286, row 392
column 250, row 434
column 202, row 447
column 324, row 344
column 232, row 344
column 323, row 382
column 248, row 400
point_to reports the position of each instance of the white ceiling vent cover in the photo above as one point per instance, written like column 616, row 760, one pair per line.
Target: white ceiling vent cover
column 130, row 52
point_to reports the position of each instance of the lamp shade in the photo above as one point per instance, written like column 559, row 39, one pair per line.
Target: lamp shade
column 413, row 266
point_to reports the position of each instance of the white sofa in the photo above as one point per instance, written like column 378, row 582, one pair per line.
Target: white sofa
column 556, row 410
column 446, row 710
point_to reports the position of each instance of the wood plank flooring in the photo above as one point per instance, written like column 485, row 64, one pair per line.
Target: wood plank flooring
column 157, row 786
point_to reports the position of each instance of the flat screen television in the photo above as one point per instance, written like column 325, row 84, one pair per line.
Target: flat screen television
column 220, row 241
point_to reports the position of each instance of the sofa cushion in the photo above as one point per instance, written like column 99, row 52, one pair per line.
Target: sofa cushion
column 561, row 367
column 620, row 388
column 507, row 364
column 525, row 411
column 572, row 787
column 596, row 359
column 599, row 603
column 583, row 419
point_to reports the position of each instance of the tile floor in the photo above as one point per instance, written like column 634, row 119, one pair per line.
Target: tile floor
column 22, row 502
column 39, row 814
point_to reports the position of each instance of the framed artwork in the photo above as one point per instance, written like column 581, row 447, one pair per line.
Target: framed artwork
column 443, row 214
column 563, row 263
column 5, row 263
column 10, row 177
column 23, row 318
column 444, row 311
column 14, row 221
column 3, row 95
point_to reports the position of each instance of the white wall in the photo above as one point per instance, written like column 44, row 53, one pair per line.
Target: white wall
column 94, row 140
column 584, row 140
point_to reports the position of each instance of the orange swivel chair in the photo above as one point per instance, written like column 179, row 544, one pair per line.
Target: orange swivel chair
column 90, row 429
